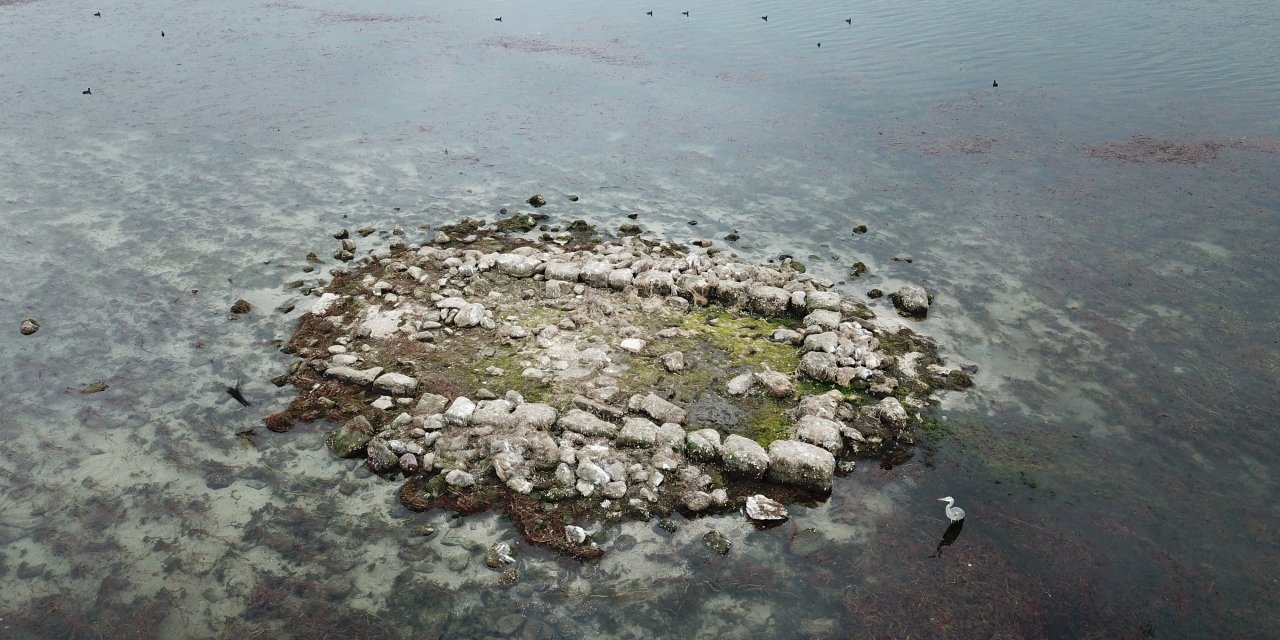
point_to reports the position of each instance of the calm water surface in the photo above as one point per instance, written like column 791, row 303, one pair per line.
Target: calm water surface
column 1098, row 231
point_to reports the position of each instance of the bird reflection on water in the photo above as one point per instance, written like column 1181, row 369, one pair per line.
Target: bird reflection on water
column 948, row 537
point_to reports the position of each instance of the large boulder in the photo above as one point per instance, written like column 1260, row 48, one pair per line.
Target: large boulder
column 583, row 422
column 349, row 440
column 911, row 300
column 660, row 409
column 768, row 301
column 821, row 432
column 801, row 464
column 891, row 413
column 396, row 384
column 744, row 458
column 637, row 432
column 703, row 445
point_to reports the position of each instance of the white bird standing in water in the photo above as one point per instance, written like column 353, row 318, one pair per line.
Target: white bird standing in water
column 955, row 513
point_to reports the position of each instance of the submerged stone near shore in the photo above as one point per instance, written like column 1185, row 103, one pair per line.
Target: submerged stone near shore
column 575, row 382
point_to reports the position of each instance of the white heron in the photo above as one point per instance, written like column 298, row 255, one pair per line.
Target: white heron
column 956, row 514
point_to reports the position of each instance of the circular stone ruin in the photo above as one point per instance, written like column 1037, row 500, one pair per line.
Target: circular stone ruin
column 575, row 382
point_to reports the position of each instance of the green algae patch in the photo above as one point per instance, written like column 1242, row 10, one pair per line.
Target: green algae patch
column 743, row 339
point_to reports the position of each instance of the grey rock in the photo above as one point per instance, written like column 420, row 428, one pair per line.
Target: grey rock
column 534, row 415
column 715, row 541
column 408, row 463
column 379, row 457
column 760, row 507
column 696, row 500
column 767, row 300
column 825, row 318
column 349, row 440
column 620, row 279
column 575, row 534
column 637, row 432
column 740, row 385
column 354, row 376
column 818, row 365
column 470, row 315
column 826, row 342
column 459, row 478
column 633, row 345
column 744, row 458
column 460, row 411
column 911, row 300
column 828, row 300
column 596, row 274
column 703, row 445
column 891, row 413
column 801, row 464
column 661, row 410
column 672, row 362
column 585, row 423
column 493, row 413
column 821, row 432
column 614, row 489
column 516, row 266
column 775, row 384
column 671, row 436
column 787, row 335
column 655, row 283
column 31, row 325
column 397, row 384
column 558, row 270
column 430, row 403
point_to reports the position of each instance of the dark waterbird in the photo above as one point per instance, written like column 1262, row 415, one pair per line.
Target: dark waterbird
column 87, row 92
column 498, row 19
column 948, row 537
column 97, row 14
column 765, row 18
column 848, row 20
column 994, row 83
column 161, row 34
column 686, row 14
column 648, row 13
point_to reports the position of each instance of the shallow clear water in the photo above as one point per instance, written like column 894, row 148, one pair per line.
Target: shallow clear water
column 1116, row 457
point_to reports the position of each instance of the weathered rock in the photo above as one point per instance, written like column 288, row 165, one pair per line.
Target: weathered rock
column 760, row 507
column 891, row 413
column 620, row 279
column 672, row 362
column 499, row 555
column 696, row 500
column 470, row 315
column 637, row 432
column 397, row 384
column 740, row 385
column 767, row 300
column 460, row 412
column 824, row 318
column 534, row 415
column 575, row 534
column 715, row 541
column 354, row 376
column 744, row 458
column 828, row 300
column 818, row 365
column 408, row 463
column 821, row 432
column 633, row 345
column 703, row 445
column 430, row 403
column 801, row 464
column 585, row 423
column 29, row 326
column 241, row 307
column 661, row 410
column 911, row 300
column 516, row 266
column 536, row 200
column 349, row 440
column 826, row 342
column 775, row 384
column 654, row 283
column 566, row 271
column 493, row 413
column 459, row 478
column 379, row 457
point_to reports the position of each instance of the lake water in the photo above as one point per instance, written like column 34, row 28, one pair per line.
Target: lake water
column 1099, row 232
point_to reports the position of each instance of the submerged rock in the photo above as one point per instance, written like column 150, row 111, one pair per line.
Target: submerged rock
column 349, row 440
